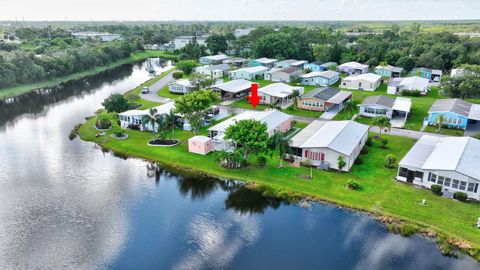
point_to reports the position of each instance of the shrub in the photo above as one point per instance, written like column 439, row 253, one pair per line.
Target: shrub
column 412, row 93
column 261, row 161
column 390, row 161
column 177, row 75
column 461, row 196
column 364, row 150
column 358, row 161
column 383, row 143
column 116, row 103
column 341, row 163
column 103, row 122
column 118, row 132
column 186, row 66
column 436, row 189
column 352, row 185
column 369, row 142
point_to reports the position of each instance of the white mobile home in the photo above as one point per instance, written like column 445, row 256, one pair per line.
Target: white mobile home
column 450, row 162
column 367, row 82
column 323, row 142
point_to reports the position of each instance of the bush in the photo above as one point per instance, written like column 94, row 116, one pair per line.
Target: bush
column 369, row 142
column 390, row 161
column 103, row 122
column 186, row 66
column 383, row 143
column 352, row 185
column 261, row 162
column 364, row 150
column 358, row 161
column 177, row 75
column 436, row 189
column 461, row 196
column 411, row 93
column 116, row 103
column 118, row 132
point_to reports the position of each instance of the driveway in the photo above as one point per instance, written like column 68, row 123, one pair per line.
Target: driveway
column 330, row 114
column 472, row 128
column 405, row 133
column 154, row 88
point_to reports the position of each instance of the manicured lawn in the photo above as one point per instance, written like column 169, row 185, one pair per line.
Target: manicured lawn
column 134, row 94
column 21, row 89
column 165, row 93
column 445, row 131
column 379, row 192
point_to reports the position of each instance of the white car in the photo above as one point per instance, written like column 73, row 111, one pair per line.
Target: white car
column 145, row 90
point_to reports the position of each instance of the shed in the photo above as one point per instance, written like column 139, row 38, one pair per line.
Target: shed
column 200, row 145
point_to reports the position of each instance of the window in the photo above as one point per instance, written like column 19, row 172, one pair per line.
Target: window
column 463, row 185
column 402, row 172
column 419, row 174
column 471, row 187
column 440, row 180
column 447, row 182
column 433, row 178
column 455, row 183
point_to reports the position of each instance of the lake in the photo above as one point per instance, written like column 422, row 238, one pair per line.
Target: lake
column 68, row 205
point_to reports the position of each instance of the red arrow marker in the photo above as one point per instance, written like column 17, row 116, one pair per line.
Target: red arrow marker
column 254, row 99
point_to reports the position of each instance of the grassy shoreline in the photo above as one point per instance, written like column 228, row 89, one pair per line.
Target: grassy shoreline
column 25, row 88
column 380, row 195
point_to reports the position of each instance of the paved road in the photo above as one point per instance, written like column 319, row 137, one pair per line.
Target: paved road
column 154, row 88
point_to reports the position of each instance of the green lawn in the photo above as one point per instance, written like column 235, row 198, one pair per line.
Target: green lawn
column 21, row 89
column 379, row 193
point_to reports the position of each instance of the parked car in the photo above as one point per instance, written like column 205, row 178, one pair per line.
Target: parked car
column 145, row 90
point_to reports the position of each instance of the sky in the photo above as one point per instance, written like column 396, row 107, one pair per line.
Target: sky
column 225, row 10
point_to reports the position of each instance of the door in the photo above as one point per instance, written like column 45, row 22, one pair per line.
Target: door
column 410, row 176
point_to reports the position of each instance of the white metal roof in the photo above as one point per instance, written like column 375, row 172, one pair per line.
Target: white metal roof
column 402, row 104
column 183, row 82
column 272, row 118
column 324, row 74
column 460, row 154
column 234, row 86
column 161, row 109
column 252, row 69
column 340, row 136
column 414, row 83
column 340, row 97
column 218, row 57
column 371, row 77
column 265, row 60
column 280, row 90
column 474, row 112
column 300, row 62
column 353, row 65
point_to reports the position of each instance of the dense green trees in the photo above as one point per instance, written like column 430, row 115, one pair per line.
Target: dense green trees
column 32, row 63
column 193, row 106
column 217, row 44
column 187, row 66
column 250, row 137
column 116, row 103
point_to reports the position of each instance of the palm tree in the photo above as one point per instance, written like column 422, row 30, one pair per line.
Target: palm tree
column 381, row 122
column 279, row 141
column 295, row 96
column 172, row 121
column 348, row 106
column 151, row 118
column 439, row 120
